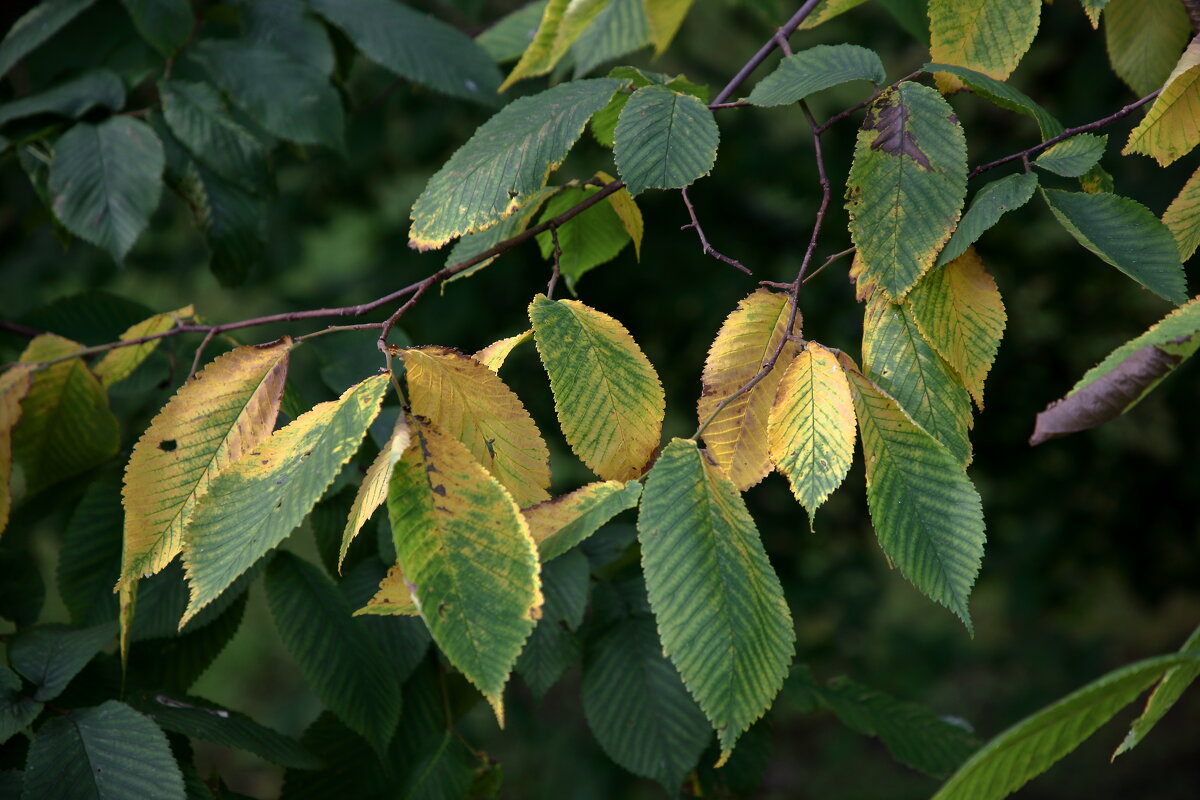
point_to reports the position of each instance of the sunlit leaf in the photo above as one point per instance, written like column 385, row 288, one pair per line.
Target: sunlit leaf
column 627, row 210
column 559, row 524
column 118, row 364
column 1182, row 217
column 1093, row 8
column 14, row 385
column 1144, row 39
column 815, row 69
column 373, row 489
column 621, row 27
column 495, row 354
column 1171, row 128
column 664, row 140
column 827, row 10
column 604, row 122
column 665, row 17
column 509, row 37
column 989, row 204
column 986, row 35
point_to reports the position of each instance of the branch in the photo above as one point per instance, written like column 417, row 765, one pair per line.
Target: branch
column 557, row 264
column 705, row 247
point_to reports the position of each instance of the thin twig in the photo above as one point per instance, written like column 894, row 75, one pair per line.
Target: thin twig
column 208, row 337
column 705, row 247
column 828, row 260
column 19, row 329
column 557, row 263
column 758, row 58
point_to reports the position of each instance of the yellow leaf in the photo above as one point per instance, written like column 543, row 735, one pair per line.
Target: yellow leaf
column 1182, row 217
column 864, row 280
column 988, row 36
column 627, row 211
column 14, row 384
column 495, row 354
column 959, row 311
column 559, row 524
column 812, row 426
column 468, row 401
column 1171, row 128
column 394, row 596
column 665, row 17
column 562, row 23
column 373, row 489
column 737, row 438
column 118, row 364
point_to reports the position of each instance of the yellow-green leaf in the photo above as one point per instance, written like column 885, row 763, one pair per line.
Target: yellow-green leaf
column 559, row 524
column 737, row 438
column 988, row 36
column 609, row 401
column 394, row 596
column 373, row 489
column 495, row 354
column 66, row 426
column 959, row 311
column 827, row 10
column 561, row 24
column 118, row 364
column 627, row 211
column 14, row 384
column 254, row 503
column 1182, row 217
column 1171, row 128
column 812, row 429
column 665, row 17
column 468, row 401
column 1144, row 39
column 470, row 563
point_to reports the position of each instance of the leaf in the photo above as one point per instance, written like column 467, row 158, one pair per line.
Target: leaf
column 22, row 590
column 1122, row 232
column 989, row 204
column 959, row 311
column 588, row 240
column 553, row 646
column 904, row 365
column 604, row 123
column 508, row 38
column 65, row 425
column 36, row 26
column 224, row 412
column 1121, row 380
column 96, row 88
column 403, row 639
column 469, row 402
column 290, row 27
column 812, row 430
column 415, row 46
column 198, row 116
column 255, row 502
column 620, row 28
column 560, row 524
column 373, row 489
column 89, row 563
column 338, row 657
column 1171, row 128
column 289, row 98
column 17, row 710
column 473, row 244
column 628, row 213
column 14, row 385
column 1170, row 688
column 664, row 140
column 118, row 364
column 105, row 181
column 926, row 513
column 505, row 162
column 986, row 35
column 1028, row 748
column 49, row 656
column 1000, row 94
column 495, row 354
column 721, row 613
column 109, row 752
column 813, row 70
column 561, row 24
column 231, row 219
column 826, row 10
column 393, row 598
column 637, row 706
column 906, row 186
column 609, row 401
column 1093, row 8
column 1144, row 39
column 664, row 18
column 736, row 439
column 1182, row 217
column 1073, row 157
column 174, row 664
column 166, row 24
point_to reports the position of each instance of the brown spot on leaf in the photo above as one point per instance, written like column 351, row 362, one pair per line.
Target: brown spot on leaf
column 890, row 118
column 167, row 445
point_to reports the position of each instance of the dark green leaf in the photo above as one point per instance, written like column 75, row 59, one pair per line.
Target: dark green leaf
column 349, row 762
column 22, row 591
column 553, row 646
column 1073, row 157
column 664, row 140
column 989, row 204
column 49, row 656
column 166, row 24
column 508, row 38
column 232, row 221
column 289, row 26
column 36, row 26
column 97, row 88
column 815, row 69
column 620, row 28
column 1003, row 95
column 17, row 710
column 199, row 118
column 1174, row 683
column 403, row 639
column 176, row 663
column 604, row 123
column 89, row 563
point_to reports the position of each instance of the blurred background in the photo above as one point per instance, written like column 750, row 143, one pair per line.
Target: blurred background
column 1093, row 553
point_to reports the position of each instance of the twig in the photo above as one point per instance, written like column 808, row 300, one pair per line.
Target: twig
column 828, row 260
column 19, row 329
column 787, row 30
column 705, row 247
column 557, row 262
column 208, row 337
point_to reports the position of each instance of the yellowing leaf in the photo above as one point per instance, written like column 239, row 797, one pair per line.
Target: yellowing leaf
column 959, row 311
column 737, row 438
column 65, row 426
column 559, row 524
column 468, row 401
column 495, row 354
column 562, row 23
column 827, row 10
column 118, row 364
column 215, row 418
column 665, row 17
column 607, row 395
column 14, row 384
column 470, row 563
column 627, row 211
column 1182, row 217
column 373, row 489
column 812, row 427
column 394, row 596
column 1171, row 128
column 989, row 36
column 1144, row 39
column 254, row 503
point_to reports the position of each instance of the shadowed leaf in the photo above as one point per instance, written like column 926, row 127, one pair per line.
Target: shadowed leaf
column 814, row 70
column 1144, row 39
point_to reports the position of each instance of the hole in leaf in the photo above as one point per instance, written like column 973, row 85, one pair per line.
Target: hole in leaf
column 167, row 445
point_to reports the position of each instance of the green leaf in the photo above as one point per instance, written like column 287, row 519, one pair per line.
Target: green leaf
column 1001, row 94
column 561, row 23
column 989, row 204
column 827, row 10
column 415, row 46
column 1121, row 380
column 604, row 123
column 815, row 69
column 49, row 656
column 109, row 752
column 1122, row 232
column 89, row 563
column 904, row 365
column 732, row 649
column 231, row 219
column 1027, row 749
column 505, row 162
column 96, row 88
column 289, row 98
column 562, row 523
column 166, row 24
column 637, row 706
column 1144, row 39
column 609, row 401
column 1182, row 217
column 66, row 426
column 22, row 591
column 1073, row 157
column 403, row 639
column 553, row 646
column 472, row 244
column 338, row 657
column 373, row 489
column 664, row 18
column 105, row 181
column 926, row 513
column 987, row 35
column 619, row 29
column 348, row 762
column 174, row 664
column 291, row 27
column 17, row 710
column 588, row 240
column 35, row 27
column 906, row 186
column 1174, row 683
column 255, row 502
column 664, row 140
column 513, row 33
column 200, row 119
